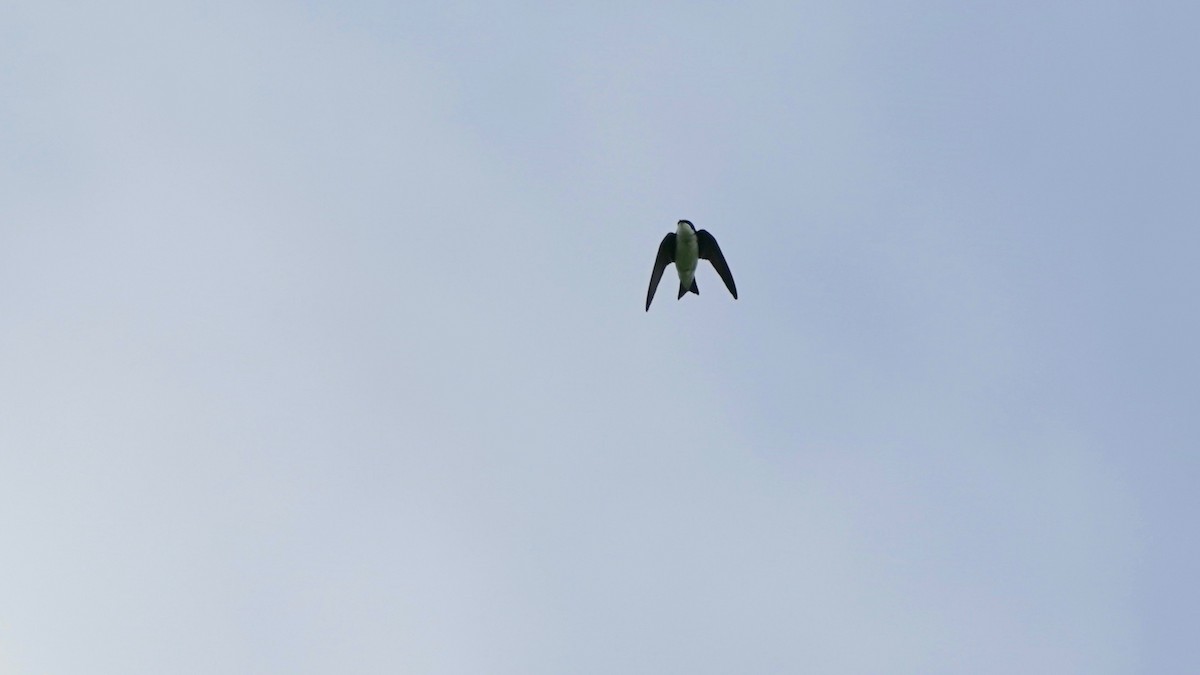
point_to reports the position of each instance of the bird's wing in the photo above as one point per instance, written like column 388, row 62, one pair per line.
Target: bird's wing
column 666, row 256
column 712, row 253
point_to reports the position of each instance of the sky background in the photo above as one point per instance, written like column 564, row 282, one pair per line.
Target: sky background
column 322, row 342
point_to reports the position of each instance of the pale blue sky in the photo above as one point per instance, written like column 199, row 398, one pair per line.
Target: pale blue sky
column 322, row 345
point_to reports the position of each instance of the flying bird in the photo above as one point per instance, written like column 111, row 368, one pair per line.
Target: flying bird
column 685, row 247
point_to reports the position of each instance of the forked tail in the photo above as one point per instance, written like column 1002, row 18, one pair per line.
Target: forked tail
column 683, row 291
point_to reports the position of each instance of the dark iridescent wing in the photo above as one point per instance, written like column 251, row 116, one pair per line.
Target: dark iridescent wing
column 666, row 256
column 712, row 253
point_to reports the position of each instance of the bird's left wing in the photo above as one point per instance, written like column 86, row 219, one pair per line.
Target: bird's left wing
column 712, row 253
column 666, row 256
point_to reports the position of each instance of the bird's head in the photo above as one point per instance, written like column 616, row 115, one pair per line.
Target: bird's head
column 687, row 224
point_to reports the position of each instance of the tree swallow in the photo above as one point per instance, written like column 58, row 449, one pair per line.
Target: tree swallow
column 684, row 247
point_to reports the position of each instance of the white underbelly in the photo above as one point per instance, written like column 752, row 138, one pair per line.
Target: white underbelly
column 687, row 255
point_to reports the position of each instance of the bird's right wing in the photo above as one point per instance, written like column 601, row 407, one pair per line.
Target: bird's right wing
column 666, row 256
column 710, row 251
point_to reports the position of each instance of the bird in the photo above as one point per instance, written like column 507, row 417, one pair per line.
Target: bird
column 685, row 247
